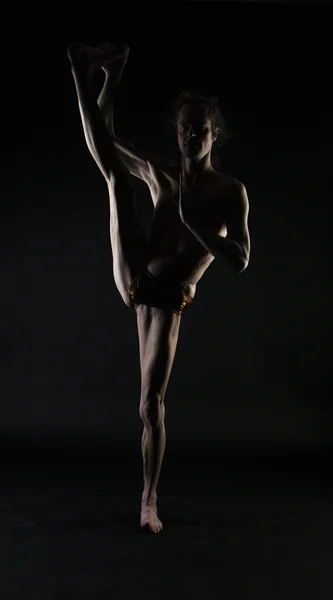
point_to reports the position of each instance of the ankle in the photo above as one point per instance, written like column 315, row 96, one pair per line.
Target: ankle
column 149, row 500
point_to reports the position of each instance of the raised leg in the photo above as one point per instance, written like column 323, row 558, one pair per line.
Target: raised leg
column 127, row 236
column 158, row 336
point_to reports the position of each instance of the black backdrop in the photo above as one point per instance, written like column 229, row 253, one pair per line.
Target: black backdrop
column 253, row 362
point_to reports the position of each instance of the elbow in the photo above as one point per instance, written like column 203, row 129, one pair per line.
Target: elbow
column 244, row 259
column 242, row 268
column 241, row 259
column 240, row 265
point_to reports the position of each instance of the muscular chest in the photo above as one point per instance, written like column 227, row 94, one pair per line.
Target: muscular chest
column 167, row 229
column 166, row 226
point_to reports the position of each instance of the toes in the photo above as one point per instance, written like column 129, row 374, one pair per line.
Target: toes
column 151, row 526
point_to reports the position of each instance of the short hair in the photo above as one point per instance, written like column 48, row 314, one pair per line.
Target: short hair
column 219, row 122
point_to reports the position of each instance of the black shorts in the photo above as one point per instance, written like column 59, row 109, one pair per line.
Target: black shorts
column 146, row 289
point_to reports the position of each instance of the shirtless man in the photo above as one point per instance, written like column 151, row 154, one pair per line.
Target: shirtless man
column 199, row 214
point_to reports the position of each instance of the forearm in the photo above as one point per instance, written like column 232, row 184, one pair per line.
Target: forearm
column 105, row 102
column 97, row 136
column 220, row 247
column 106, row 105
column 135, row 161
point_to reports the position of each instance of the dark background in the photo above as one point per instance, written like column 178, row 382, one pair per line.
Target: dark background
column 245, row 494
column 253, row 363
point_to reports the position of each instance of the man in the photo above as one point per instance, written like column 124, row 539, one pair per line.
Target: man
column 199, row 214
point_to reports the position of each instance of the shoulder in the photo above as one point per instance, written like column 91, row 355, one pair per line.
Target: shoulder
column 161, row 169
column 229, row 183
column 233, row 191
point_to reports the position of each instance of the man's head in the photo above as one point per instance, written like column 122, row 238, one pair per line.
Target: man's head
column 199, row 123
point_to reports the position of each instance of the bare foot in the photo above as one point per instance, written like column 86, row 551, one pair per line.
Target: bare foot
column 149, row 519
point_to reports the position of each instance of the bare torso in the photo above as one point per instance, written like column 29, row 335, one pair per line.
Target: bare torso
column 173, row 252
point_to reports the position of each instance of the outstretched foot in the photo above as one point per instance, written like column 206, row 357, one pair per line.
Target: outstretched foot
column 149, row 520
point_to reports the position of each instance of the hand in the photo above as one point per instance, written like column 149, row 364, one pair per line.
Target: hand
column 86, row 60
column 114, row 66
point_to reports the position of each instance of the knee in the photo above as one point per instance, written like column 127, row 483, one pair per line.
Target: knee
column 152, row 410
column 124, row 295
column 126, row 300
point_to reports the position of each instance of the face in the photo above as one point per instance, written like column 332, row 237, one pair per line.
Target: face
column 194, row 131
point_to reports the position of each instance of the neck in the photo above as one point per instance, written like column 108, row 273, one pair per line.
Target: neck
column 192, row 166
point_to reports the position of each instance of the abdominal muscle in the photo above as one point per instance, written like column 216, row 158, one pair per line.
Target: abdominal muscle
column 173, row 254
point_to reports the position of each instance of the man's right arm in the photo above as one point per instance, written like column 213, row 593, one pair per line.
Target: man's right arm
column 140, row 164
column 110, row 152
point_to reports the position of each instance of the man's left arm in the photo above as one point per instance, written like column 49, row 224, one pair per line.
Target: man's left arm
column 236, row 245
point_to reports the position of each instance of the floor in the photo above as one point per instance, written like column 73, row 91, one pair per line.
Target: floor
column 236, row 525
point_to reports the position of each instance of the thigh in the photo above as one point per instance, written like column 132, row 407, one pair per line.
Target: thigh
column 126, row 234
column 158, row 333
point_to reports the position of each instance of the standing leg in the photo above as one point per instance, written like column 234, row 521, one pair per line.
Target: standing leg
column 158, row 336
